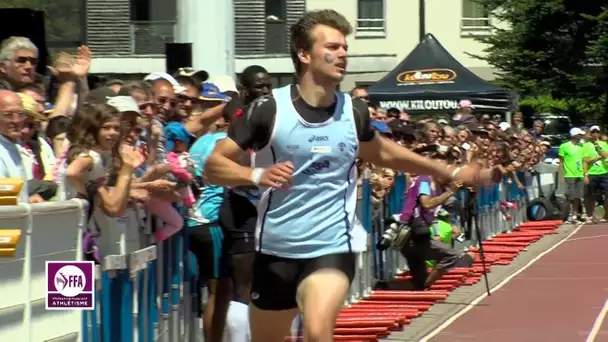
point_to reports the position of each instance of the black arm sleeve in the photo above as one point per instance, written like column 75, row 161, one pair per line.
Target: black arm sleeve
column 252, row 129
column 363, row 122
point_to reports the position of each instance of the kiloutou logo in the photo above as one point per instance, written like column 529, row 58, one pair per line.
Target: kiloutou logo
column 427, row 76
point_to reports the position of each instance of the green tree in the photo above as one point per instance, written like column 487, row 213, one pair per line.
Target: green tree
column 598, row 57
column 546, row 49
column 63, row 18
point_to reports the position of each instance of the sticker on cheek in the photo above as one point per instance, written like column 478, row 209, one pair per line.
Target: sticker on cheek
column 329, row 58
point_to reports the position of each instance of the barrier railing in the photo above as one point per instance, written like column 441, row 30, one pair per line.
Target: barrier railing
column 490, row 220
column 144, row 291
column 147, row 291
column 51, row 232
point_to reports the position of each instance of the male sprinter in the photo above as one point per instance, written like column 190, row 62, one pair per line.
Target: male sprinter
column 307, row 138
column 238, row 215
column 206, row 236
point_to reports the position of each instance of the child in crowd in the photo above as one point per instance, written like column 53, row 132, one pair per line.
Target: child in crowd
column 95, row 154
column 162, row 208
column 182, row 165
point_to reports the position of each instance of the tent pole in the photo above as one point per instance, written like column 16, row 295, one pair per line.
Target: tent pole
column 422, row 19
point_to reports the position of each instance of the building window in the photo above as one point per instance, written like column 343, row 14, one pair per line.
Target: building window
column 140, row 10
column 370, row 16
column 276, row 27
column 275, row 10
column 475, row 16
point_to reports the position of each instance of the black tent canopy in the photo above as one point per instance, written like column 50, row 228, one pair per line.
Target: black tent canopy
column 430, row 79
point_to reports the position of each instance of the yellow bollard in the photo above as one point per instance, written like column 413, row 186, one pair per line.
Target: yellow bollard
column 10, row 188
column 9, row 239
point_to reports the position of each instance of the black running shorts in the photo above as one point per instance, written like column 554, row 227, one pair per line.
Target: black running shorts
column 238, row 218
column 276, row 279
column 208, row 244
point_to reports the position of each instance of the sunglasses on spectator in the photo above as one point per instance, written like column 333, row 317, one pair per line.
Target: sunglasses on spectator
column 23, row 60
column 162, row 100
column 147, row 105
column 184, row 98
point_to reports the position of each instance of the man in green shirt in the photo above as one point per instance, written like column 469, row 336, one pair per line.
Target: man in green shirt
column 443, row 230
column 595, row 171
column 571, row 159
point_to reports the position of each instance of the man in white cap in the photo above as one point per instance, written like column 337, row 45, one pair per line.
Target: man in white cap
column 594, row 153
column 165, row 89
column 124, row 104
column 571, row 160
column 504, row 126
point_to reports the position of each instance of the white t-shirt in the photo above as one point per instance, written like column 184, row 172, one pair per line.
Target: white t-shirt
column 11, row 165
column 118, row 235
column 97, row 174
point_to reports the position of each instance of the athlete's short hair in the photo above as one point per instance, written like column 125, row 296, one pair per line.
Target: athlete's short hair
column 300, row 31
column 248, row 74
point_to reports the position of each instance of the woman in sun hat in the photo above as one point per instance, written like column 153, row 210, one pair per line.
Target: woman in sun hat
column 35, row 151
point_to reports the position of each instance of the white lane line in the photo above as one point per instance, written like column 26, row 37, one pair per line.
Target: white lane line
column 597, row 325
column 477, row 300
column 588, row 237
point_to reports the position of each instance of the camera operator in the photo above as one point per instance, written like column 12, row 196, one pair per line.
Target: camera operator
column 445, row 231
column 424, row 199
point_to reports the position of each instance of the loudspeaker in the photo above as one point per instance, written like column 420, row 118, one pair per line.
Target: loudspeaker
column 28, row 23
column 177, row 55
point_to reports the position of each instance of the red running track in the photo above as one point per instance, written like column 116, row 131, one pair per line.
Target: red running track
column 559, row 298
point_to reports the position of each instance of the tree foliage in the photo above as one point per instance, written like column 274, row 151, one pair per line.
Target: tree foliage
column 63, row 18
column 556, row 48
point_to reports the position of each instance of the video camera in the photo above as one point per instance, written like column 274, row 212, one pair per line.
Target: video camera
column 396, row 235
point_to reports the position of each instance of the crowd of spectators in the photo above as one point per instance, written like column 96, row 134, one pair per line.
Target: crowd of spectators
column 43, row 138
column 465, row 136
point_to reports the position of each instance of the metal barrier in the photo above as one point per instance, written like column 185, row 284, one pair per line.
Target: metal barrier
column 144, row 293
column 51, row 232
column 387, row 264
column 148, row 292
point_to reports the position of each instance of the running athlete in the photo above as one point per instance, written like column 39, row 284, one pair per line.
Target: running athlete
column 238, row 216
column 206, row 236
column 307, row 138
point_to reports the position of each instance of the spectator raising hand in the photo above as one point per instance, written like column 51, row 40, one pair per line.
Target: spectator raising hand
column 82, row 63
column 131, row 156
column 68, row 68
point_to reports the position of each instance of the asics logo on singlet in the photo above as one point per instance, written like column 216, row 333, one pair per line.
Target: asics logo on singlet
column 316, row 167
column 318, row 138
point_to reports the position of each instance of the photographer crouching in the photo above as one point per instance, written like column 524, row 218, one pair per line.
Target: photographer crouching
column 417, row 234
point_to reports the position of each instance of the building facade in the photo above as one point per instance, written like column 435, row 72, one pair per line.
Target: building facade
column 128, row 36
